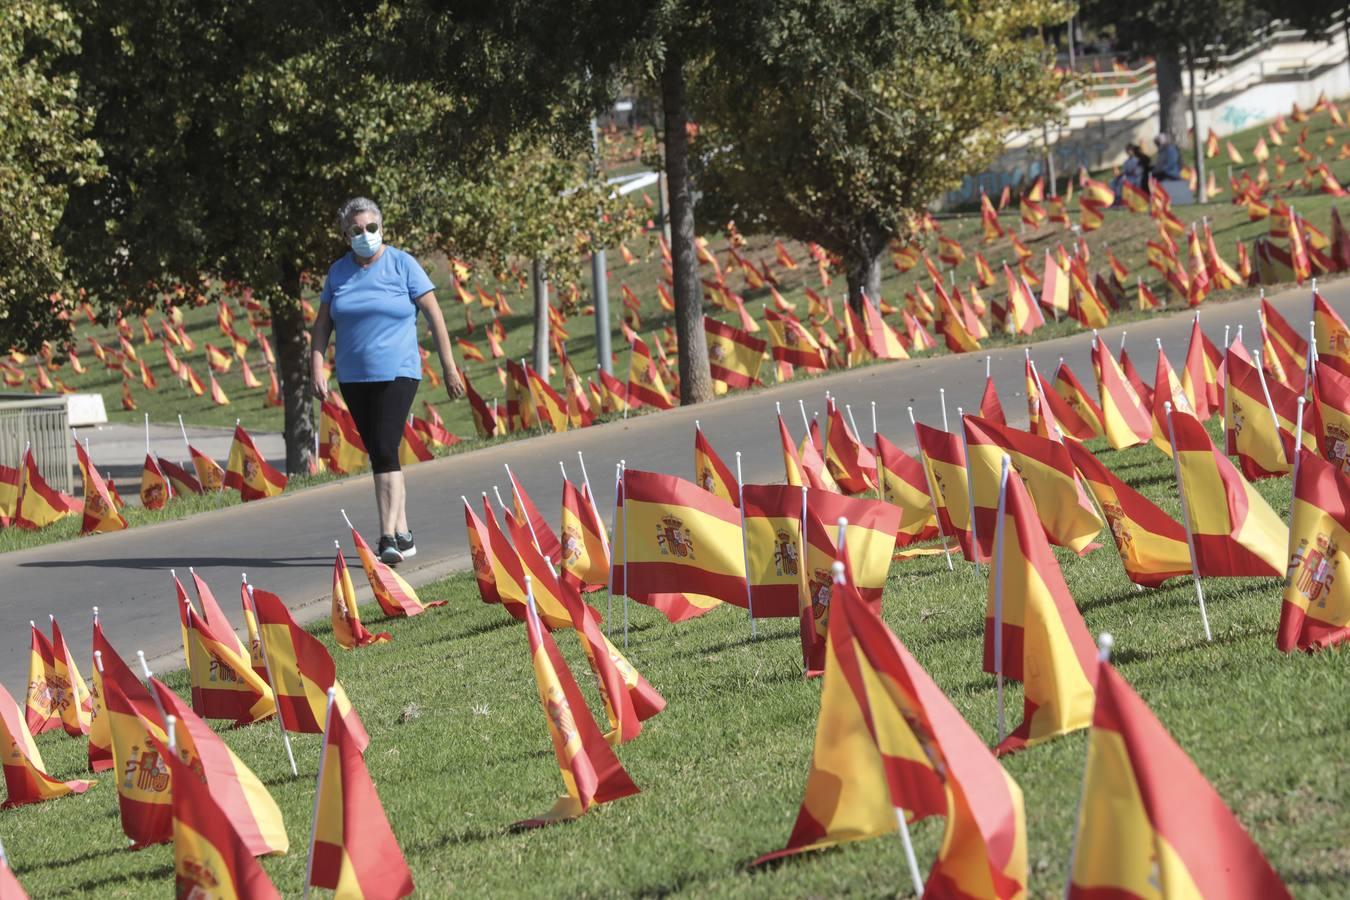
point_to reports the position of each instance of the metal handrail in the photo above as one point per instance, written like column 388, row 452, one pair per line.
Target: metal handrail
column 42, row 423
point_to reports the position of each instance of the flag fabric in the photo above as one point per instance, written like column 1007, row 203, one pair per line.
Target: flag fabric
column 99, row 751
column 711, row 473
column 480, row 549
column 395, row 596
column 181, row 481
column 1166, row 389
column 585, row 543
column 1234, row 530
column 100, row 513
column 879, row 338
column 889, row 743
column 143, row 795
column 1284, row 352
column 1076, row 396
column 990, row 407
column 1062, row 505
column 902, row 483
column 1199, row 378
column 224, row 683
column 591, row 773
column 412, row 448
column 1044, row 642
column 1052, row 407
column 233, row 787
column 944, row 461
column 811, row 453
column 773, row 526
column 1125, row 420
column 1252, row 426
column 155, row 489
column 1151, row 544
column 1141, row 389
column 248, row 472
column 340, row 444
column 734, row 356
column 355, row 852
column 302, row 672
column 1329, row 414
column 677, row 538
column 958, row 336
column 47, row 693
column 209, row 473
column 791, row 343
column 26, row 778
column 348, row 632
column 1055, row 287
column 210, row 858
column 550, row 407
column 849, row 463
column 1149, row 824
column 76, row 703
column 1315, row 612
column 1332, row 336
column 507, row 572
column 614, row 393
column 38, row 504
column 645, row 386
column 548, row 591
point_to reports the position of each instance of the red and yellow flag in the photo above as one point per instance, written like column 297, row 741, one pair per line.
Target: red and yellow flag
column 26, row 779
column 795, row 476
column 889, row 743
column 1152, row 545
column 1331, row 335
column 1166, row 389
column 1234, row 530
column 585, row 543
column 645, row 386
column 959, row 337
column 1316, row 608
column 1284, row 349
column 233, row 786
column 1200, row 378
column 480, row 550
column 48, row 693
column 1062, row 505
column 38, row 504
column 224, row 684
column 878, row 337
column 944, row 461
column 710, row 472
column 209, row 473
column 734, row 356
column 76, row 704
column 348, row 632
column 395, row 596
column 340, row 444
column 1125, row 419
column 100, row 513
column 1042, row 641
column 548, row 593
column 248, row 472
column 676, row 537
column 550, row 407
column 791, row 343
column 355, row 852
column 849, row 463
column 902, row 483
column 412, row 448
column 302, row 671
column 99, row 751
column 155, row 489
column 1150, row 825
column 540, row 531
column 507, row 572
column 773, row 524
column 1077, row 398
column 1329, row 415
column 591, row 773
column 1253, row 427
column 181, row 481
column 990, row 407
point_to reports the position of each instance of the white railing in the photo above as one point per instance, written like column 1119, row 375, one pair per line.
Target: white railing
column 40, row 423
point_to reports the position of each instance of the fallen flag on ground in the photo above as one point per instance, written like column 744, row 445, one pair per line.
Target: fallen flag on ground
column 26, row 779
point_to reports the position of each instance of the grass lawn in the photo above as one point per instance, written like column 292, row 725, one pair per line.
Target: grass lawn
column 460, row 750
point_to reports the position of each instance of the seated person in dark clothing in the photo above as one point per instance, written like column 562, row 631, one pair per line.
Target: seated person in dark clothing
column 1145, row 166
column 1167, row 164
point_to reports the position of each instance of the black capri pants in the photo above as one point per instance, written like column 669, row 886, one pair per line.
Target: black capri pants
column 380, row 410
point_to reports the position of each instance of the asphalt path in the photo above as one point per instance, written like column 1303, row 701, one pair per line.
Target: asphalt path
column 286, row 544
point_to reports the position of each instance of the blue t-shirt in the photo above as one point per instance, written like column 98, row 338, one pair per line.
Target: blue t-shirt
column 374, row 316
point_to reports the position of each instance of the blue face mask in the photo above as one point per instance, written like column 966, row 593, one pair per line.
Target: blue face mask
column 366, row 244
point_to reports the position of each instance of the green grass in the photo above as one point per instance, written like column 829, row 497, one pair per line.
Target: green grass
column 460, row 750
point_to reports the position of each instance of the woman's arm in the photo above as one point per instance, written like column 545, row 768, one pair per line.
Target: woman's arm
column 318, row 343
column 449, row 370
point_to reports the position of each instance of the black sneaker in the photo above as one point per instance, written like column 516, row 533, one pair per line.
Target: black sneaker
column 388, row 550
column 404, row 539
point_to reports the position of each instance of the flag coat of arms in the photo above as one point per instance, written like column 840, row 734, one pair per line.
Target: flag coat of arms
column 1315, row 612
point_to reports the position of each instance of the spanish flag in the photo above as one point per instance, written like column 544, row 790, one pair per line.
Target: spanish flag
column 77, row 704
column 181, row 481
column 734, row 355
column 547, row 590
column 903, row 484
column 38, row 504
column 585, row 543
column 155, row 489
column 989, row 220
column 1076, row 397
column 1166, row 389
column 480, row 554
column 26, row 779
column 142, row 773
column 711, row 472
column 773, row 537
column 878, row 337
column 1329, row 415
column 302, row 671
column 395, row 596
column 1052, row 408
column 1125, row 420
column 218, row 395
column 889, row 743
column 224, row 684
column 47, row 693
column 1042, row 642
column 645, row 386
column 1141, row 388
column 339, row 442
column 1332, row 336
column 849, row 463
column 1055, row 290
column 990, row 407
column 676, row 537
column 959, row 338
column 235, row 789
column 210, row 858
column 591, row 773
column 412, row 449
column 99, row 751
column 1200, row 377
column 614, row 393
column 9, row 494
column 1316, row 608
column 1254, row 436
column 869, row 541
column 1234, row 530
column 507, row 572
column 1062, row 505
column 813, row 462
column 792, row 464
column 1152, row 545
column 248, row 472
column 944, row 460
column 1150, row 825
column 348, row 632
column 550, row 407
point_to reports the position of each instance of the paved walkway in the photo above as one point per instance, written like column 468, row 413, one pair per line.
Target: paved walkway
column 286, row 544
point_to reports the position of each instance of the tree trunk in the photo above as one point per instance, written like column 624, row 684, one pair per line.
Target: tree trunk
column 539, row 280
column 1171, row 97
column 1198, row 145
column 695, row 376
column 864, row 276
column 292, row 350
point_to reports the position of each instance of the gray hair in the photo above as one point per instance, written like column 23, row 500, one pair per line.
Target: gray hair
column 357, row 205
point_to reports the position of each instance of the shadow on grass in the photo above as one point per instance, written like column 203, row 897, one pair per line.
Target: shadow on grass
column 92, row 884
column 748, row 641
column 73, row 860
column 485, row 628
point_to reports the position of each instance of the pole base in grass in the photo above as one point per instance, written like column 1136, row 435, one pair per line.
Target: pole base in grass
column 565, row 809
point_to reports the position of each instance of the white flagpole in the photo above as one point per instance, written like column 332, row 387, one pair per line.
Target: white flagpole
column 988, row 364
column 970, row 490
column 271, row 682
column 523, row 514
column 183, row 428
column 851, row 423
column 874, row 422
column 1265, row 390
column 932, row 493
column 942, row 395
column 623, row 481
column 1104, row 644
column 1312, row 349
column 145, row 669
column 1227, row 385
column 318, row 788
column 147, row 434
column 745, row 544
column 1186, row 520
column 171, row 733
column 998, row 590
column 806, row 423
column 1298, row 448
column 1123, row 335
column 609, row 618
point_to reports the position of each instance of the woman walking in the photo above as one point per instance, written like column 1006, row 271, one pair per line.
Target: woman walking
column 370, row 299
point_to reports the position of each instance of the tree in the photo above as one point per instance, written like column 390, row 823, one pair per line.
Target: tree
column 841, row 121
column 45, row 152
